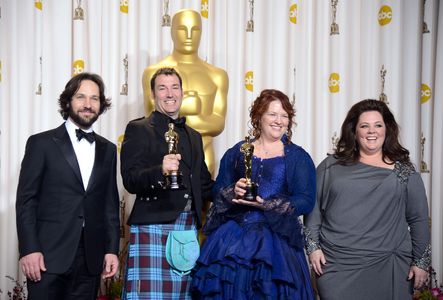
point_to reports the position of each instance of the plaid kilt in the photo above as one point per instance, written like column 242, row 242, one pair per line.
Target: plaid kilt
column 148, row 274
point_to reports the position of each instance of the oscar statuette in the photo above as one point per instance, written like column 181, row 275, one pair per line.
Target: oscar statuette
column 247, row 148
column 172, row 179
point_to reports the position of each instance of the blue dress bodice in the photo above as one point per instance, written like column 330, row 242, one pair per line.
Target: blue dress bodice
column 270, row 176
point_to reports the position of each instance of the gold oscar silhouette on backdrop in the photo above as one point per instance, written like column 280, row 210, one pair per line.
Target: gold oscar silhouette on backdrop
column 205, row 87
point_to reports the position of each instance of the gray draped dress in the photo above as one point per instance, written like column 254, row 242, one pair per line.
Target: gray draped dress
column 371, row 224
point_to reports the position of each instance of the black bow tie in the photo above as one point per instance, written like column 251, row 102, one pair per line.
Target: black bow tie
column 179, row 122
column 89, row 136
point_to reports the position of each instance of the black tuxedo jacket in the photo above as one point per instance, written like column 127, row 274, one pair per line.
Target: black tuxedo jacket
column 142, row 153
column 52, row 204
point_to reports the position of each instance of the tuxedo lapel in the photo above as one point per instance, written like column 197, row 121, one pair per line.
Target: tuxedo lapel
column 193, row 142
column 156, row 126
column 100, row 149
column 61, row 138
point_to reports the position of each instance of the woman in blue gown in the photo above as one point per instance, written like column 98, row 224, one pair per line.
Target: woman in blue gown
column 254, row 249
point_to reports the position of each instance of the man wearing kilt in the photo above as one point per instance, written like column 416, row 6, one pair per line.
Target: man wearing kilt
column 163, row 242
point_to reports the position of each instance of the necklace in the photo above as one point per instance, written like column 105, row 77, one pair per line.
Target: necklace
column 276, row 149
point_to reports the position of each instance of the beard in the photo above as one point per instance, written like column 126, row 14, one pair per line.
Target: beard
column 82, row 121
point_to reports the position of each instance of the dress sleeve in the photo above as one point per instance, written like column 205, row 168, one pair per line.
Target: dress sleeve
column 418, row 220
column 283, row 219
column 283, row 211
column 313, row 220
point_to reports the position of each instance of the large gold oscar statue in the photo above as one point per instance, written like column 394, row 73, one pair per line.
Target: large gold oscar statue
column 205, row 87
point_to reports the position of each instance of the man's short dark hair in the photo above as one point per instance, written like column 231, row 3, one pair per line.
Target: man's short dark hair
column 165, row 71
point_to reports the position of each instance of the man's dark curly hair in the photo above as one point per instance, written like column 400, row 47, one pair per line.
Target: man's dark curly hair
column 72, row 87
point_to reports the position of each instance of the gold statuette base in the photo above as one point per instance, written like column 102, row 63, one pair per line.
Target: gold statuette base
column 251, row 192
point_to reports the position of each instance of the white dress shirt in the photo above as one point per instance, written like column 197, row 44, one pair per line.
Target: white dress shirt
column 84, row 151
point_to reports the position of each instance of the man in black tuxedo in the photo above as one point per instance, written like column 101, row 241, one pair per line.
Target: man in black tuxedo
column 67, row 205
column 158, row 211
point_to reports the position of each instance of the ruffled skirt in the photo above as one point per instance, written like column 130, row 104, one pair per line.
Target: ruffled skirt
column 249, row 261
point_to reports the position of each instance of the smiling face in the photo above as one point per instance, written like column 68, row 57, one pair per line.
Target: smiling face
column 168, row 95
column 85, row 104
column 370, row 133
column 274, row 122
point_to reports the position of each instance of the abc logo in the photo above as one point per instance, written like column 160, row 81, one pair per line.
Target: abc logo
column 205, row 9
column 119, row 142
column 38, row 4
column 425, row 93
column 78, row 66
column 293, row 13
column 384, row 15
column 249, row 81
column 124, row 6
column 334, row 83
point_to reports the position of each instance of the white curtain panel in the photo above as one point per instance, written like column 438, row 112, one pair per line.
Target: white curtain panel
column 381, row 47
column 434, row 177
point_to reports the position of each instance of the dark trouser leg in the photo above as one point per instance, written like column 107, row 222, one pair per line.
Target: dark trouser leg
column 51, row 286
column 77, row 283
column 82, row 285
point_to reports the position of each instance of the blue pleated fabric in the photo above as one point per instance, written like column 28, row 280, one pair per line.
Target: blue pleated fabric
column 244, row 258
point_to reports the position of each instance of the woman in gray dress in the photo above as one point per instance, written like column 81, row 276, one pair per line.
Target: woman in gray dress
column 368, row 235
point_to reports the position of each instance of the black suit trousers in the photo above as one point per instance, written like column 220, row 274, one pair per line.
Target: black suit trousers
column 75, row 284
